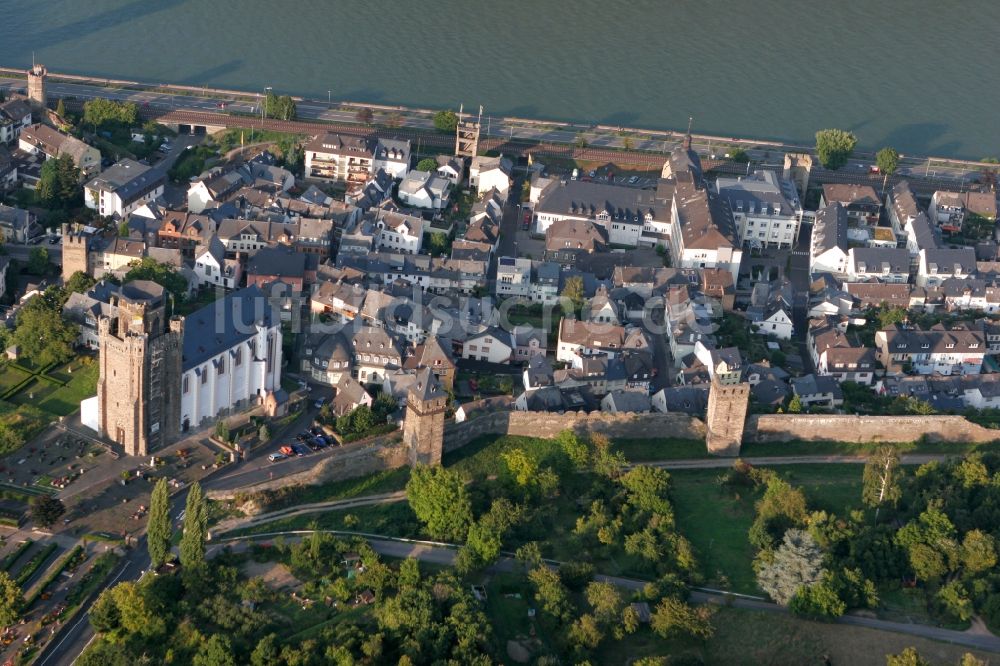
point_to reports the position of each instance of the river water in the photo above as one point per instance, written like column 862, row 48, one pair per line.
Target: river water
column 920, row 75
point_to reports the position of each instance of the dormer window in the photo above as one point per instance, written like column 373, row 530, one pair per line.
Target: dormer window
column 950, row 345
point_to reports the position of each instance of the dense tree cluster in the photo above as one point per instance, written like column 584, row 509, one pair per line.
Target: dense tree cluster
column 834, row 147
column 935, row 528
column 59, row 183
column 281, row 107
column 42, row 335
column 225, row 618
column 99, row 112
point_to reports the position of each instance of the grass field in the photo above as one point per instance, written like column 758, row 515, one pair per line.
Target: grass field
column 799, row 448
column 72, row 382
column 394, row 519
column 754, row 637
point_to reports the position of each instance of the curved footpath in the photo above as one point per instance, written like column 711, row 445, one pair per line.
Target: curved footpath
column 444, row 554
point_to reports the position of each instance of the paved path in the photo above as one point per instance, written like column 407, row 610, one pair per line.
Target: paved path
column 444, row 554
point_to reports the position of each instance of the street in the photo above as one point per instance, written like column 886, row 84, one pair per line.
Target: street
column 498, row 131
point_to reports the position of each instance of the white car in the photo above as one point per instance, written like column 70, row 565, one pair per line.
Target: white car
column 275, row 457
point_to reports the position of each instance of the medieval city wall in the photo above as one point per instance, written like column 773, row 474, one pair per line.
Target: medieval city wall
column 861, row 429
column 544, row 425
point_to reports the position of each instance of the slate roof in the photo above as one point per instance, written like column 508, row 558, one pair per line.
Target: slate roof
column 277, row 261
column 223, row 324
column 127, row 179
column 830, row 229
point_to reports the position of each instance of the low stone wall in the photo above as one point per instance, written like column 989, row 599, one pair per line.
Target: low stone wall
column 535, row 424
column 861, row 429
column 375, row 455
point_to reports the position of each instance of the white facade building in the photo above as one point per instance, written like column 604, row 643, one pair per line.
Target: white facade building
column 765, row 209
column 232, row 356
column 123, row 188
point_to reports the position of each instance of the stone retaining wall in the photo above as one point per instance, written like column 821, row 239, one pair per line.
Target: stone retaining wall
column 861, row 429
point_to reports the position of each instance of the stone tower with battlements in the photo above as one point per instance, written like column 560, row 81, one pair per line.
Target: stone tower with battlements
column 36, row 87
column 423, row 427
column 727, row 413
column 75, row 253
column 138, row 389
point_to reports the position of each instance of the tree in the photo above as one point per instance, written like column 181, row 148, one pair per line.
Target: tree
column 908, row 657
column 195, row 531
column 485, row 536
column 580, row 141
column 887, row 160
column 551, row 594
column 266, row 653
column 606, row 601
column 834, row 147
column 216, row 651
column 222, row 431
column 99, row 111
column 819, row 601
column 585, row 632
column 439, row 499
column 61, row 108
column 11, row 600
column 739, row 155
column 45, row 510
column 427, row 164
column 42, row 334
column 955, row 601
column 795, row 405
column 445, row 121
column 264, row 433
column 394, row 120
column 521, row 467
column 79, row 283
column 158, row 532
column 280, row 108
column 165, row 275
column 58, row 183
column 979, row 552
column 365, row 115
column 797, row 562
column 880, row 484
column 674, row 617
column 104, row 616
column 647, row 490
column 573, row 290
column 628, row 143
column 103, row 653
column 137, row 615
column 38, row 261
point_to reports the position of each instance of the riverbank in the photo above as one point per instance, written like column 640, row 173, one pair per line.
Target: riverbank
column 508, row 127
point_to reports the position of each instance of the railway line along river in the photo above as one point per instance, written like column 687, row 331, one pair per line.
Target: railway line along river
column 915, row 74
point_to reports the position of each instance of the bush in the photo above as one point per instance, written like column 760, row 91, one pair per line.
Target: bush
column 818, row 601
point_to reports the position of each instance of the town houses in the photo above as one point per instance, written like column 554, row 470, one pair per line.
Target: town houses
column 563, row 289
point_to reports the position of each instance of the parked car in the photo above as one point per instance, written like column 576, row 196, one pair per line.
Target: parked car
column 633, row 180
column 275, row 457
column 300, row 449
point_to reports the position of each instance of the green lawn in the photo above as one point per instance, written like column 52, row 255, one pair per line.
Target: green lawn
column 744, row 637
column 394, row 519
column 716, row 520
column 11, row 376
column 668, row 448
